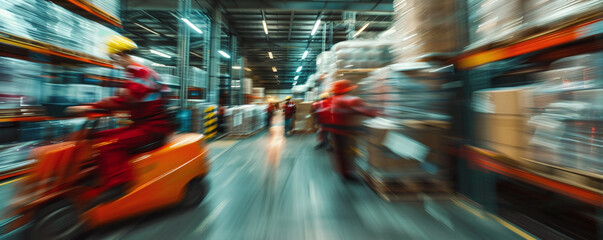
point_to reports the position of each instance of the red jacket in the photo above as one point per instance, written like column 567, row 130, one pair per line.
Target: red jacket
column 141, row 96
column 289, row 109
column 323, row 110
column 343, row 110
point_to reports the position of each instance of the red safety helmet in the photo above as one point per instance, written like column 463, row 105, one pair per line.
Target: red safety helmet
column 343, row 86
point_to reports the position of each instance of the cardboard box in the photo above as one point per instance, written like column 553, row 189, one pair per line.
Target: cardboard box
column 429, row 133
column 510, row 130
column 384, row 159
column 511, row 101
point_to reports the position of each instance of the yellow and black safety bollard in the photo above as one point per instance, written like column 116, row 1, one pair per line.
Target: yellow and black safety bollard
column 210, row 125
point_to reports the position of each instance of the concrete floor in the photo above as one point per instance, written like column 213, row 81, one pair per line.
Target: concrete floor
column 266, row 187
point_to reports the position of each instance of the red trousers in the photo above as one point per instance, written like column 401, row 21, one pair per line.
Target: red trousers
column 114, row 159
column 343, row 159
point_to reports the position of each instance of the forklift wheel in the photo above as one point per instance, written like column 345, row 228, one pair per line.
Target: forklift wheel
column 58, row 220
column 196, row 190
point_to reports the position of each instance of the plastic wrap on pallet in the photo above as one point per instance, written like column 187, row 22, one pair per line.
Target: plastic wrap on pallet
column 494, row 20
column 567, row 118
column 407, row 92
column 325, row 62
column 20, row 81
column 47, row 22
column 245, row 119
column 110, row 6
column 359, row 54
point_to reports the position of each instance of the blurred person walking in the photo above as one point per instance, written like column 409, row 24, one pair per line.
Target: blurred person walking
column 344, row 110
column 322, row 113
column 289, row 110
column 270, row 111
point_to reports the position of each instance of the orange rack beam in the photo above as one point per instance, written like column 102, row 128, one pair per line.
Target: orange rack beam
column 555, row 38
column 484, row 159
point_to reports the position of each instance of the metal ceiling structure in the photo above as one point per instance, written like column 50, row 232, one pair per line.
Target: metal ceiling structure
column 154, row 24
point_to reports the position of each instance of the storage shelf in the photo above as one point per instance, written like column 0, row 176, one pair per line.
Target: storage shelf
column 493, row 162
column 571, row 32
column 90, row 11
column 20, row 47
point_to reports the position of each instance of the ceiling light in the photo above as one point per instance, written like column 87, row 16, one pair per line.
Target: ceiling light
column 274, row 69
column 224, row 54
column 270, row 55
column 296, row 77
column 146, row 28
column 361, row 29
column 160, row 54
column 190, row 24
column 265, row 27
column 248, row 69
column 305, row 54
column 158, row 65
column 236, row 67
column 315, row 27
column 299, row 69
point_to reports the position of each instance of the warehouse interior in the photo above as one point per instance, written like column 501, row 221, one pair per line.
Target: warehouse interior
column 301, row 119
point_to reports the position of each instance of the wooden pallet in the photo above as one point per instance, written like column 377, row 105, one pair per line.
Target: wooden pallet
column 404, row 188
column 244, row 135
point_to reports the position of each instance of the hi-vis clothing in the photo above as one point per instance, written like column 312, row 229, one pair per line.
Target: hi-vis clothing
column 141, row 95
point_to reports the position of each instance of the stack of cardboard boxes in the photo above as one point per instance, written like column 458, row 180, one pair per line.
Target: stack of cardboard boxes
column 407, row 145
column 303, row 120
column 501, row 118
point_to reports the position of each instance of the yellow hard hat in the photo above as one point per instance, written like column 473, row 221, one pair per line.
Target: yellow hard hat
column 288, row 98
column 324, row 95
column 119, row 44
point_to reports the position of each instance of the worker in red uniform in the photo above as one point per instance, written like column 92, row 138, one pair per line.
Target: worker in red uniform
column 289, row 109
column 344, row 109
column 141, row 95
column 321, row 110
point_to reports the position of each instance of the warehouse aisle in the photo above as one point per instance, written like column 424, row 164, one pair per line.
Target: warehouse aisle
column 300, row 198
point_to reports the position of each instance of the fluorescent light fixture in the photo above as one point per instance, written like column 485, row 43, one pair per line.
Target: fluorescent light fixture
column 146, row 28
column 190, row 24
column 315, row 27
column 236, row 67
column 296, row 77
column 248, row 69
column 265, row 27
column 158, row 65
column 361, row 29
column 274, row 69
column 224, row 54
column 299, row 69
column 305, row 54
column 270, row 55
column 160, row 54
